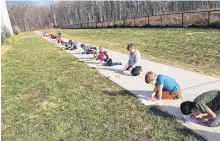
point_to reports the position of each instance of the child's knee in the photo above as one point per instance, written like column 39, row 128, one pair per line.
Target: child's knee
column 135, row 73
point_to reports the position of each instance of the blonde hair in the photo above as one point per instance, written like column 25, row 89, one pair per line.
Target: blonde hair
column 150, row 77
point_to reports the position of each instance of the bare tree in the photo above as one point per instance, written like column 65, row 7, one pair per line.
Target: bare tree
column 77, row 13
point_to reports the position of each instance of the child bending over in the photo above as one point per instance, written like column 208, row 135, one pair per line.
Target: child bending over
column 165, row 86
column 204, row 107
column 72, row 45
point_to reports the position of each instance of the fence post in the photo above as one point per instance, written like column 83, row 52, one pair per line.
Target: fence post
column 182, row 20
column 134, row 21
column 161, row 22
column 96, row 24
column 148, row 21
column 208, row 18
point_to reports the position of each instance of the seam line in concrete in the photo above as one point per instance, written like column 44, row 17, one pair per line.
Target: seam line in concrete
column 200, row 85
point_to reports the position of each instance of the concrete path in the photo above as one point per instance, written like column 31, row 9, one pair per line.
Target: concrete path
column 192, row 84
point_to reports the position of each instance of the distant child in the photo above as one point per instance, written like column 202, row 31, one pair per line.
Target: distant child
column 102, row 54
column 88, row 49
column 72, row 45
column 165, row 86
column 204, row 107
column 65, row 44
column 59, row 34
column 105, row 59
column 44, row 33
column 96, row 54
column 52, row 36
column 58, row 37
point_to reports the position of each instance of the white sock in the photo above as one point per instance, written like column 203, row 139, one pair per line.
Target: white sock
column 127, row 72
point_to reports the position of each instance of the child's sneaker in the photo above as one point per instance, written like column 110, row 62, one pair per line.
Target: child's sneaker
column 141, row 69
column 180, row 96
column 127, row 72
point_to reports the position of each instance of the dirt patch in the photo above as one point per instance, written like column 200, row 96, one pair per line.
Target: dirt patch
column 5, row 49
column 192, row 33
column 29, row 36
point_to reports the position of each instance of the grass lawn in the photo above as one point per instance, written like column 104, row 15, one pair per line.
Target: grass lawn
column 48, row 95
column 193, row 49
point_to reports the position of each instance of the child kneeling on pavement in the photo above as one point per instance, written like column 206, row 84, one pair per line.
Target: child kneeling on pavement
column 165, row 86
column 204, row 107
column 133, row 66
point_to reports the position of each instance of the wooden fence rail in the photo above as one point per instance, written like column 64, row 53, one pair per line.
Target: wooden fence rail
column 209, row 18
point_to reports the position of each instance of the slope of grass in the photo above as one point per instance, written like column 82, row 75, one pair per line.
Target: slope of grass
column 47, row 94
column 192, row 49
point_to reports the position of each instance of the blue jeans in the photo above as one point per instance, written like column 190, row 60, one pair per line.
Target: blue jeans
column 110, row 63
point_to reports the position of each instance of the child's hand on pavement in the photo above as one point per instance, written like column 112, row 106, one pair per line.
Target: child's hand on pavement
column 193, row 116
column 200, row 118
column 150, row 97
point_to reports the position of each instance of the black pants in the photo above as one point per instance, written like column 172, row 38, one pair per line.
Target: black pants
column 135, row 71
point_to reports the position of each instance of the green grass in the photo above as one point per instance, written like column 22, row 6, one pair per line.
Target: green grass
column 48, row 95
column 193, row 49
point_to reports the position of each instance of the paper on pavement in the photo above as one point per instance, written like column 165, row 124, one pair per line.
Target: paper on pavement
column 189, row 119
column 149, row 102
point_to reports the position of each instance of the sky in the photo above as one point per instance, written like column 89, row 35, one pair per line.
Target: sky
column 36, row 2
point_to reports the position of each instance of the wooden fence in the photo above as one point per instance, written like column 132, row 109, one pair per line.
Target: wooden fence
column 209, row 18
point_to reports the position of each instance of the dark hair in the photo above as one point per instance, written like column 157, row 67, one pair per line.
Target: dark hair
column 82, row 45
column 186, row 107
column 130, row 46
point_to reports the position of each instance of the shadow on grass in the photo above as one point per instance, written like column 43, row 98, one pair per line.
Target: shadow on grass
column 162, row 111
column 122, row 92
column 138, row 93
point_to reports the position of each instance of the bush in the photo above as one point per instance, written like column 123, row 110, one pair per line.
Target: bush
column 16, row 30
column 5, row 34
